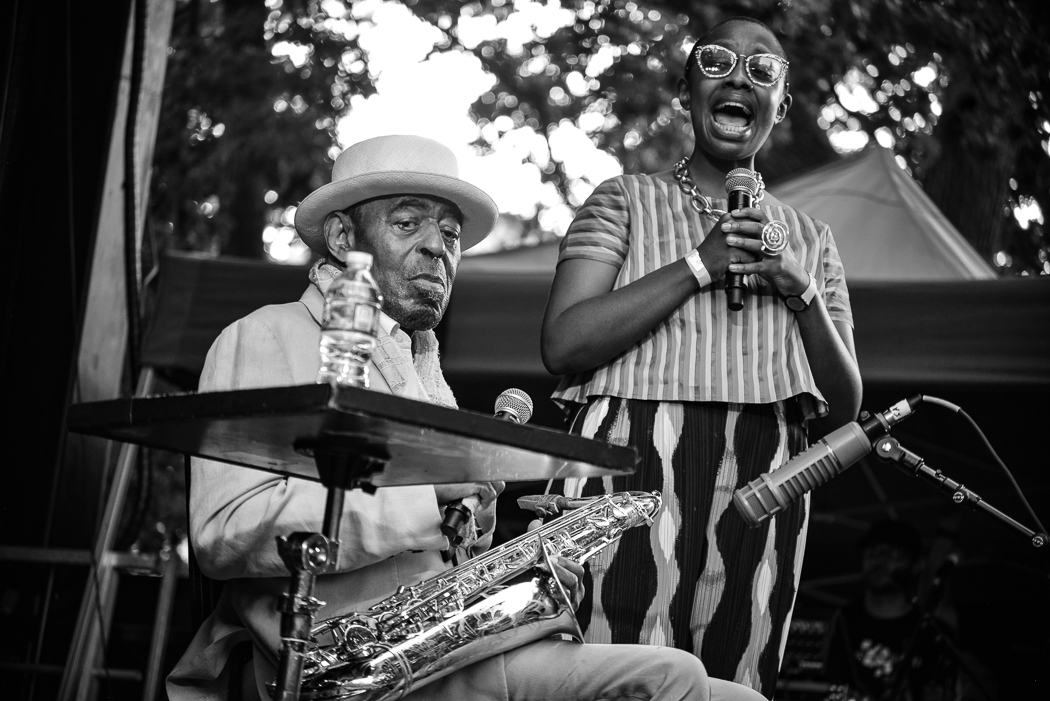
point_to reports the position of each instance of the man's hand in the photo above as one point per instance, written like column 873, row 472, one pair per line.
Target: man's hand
column 486, row 492
column 570, row 574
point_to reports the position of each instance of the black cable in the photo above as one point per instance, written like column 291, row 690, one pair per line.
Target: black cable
column 131, row 260
column 74, row 306
column 130, row 276
column 987, row 444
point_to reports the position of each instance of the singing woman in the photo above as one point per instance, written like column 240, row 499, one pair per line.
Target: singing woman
column 637, row 323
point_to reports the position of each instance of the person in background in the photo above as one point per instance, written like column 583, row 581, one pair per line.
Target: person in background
column 400, row 199
column 637, row 324
column 892, row 643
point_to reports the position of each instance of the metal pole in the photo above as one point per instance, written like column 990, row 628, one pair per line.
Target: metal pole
column 86, row 635
column 161, row 623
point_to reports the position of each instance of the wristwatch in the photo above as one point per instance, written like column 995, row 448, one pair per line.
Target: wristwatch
column 798, row 303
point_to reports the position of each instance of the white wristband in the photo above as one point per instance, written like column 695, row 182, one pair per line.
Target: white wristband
column 811, row 290
column 697, row 267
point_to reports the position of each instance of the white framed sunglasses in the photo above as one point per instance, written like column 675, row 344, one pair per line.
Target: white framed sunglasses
column 763, row 69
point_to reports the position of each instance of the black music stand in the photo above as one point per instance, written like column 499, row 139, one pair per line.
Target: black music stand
column 345, row 438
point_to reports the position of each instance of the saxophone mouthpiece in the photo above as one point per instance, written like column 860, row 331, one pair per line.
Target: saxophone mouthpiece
column 545, row 505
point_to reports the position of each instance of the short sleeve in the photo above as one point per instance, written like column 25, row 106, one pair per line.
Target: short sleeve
column 599, row 231
column 836, row 294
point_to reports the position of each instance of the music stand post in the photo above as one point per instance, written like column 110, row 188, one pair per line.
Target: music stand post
column 306, row 555
column 342, row 463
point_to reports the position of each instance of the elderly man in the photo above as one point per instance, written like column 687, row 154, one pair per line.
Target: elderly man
column 400, row 199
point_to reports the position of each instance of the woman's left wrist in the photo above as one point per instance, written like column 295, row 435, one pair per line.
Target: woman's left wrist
column 798, row 282
column 800, row 301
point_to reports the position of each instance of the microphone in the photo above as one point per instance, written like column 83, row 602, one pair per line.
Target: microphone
column 742, row 186
column 511, row 405
column 776, row 490
column 514, row 405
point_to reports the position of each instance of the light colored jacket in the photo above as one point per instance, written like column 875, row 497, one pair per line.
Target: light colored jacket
column 388, row 539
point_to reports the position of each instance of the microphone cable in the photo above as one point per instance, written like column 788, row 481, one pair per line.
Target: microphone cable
column 955, row 408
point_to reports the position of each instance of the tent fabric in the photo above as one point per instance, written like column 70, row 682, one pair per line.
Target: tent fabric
column 968, row 333
column 982, row 332
column 199, row 295
column 885, row 226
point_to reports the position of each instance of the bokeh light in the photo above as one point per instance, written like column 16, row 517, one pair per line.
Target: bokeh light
column 426, row 90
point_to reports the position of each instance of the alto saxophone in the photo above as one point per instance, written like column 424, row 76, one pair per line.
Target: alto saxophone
column 493, row 603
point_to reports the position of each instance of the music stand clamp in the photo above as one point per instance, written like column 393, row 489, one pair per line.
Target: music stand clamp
column 890, row 450
column 342, row 463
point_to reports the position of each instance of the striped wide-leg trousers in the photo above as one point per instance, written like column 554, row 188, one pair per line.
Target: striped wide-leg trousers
column 700, row 579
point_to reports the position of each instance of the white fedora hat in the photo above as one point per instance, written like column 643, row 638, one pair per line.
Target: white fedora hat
column 395, row 165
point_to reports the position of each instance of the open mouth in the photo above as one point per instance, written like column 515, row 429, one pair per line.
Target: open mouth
column 733, row 117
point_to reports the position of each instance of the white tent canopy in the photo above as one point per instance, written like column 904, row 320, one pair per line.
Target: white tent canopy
column 885, row 226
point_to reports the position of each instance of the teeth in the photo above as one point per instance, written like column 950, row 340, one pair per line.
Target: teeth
column 743, row 107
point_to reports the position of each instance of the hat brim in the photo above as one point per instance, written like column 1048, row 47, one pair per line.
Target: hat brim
column 479, row 210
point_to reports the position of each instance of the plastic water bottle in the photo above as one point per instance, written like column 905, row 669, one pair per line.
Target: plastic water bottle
column 350, row 324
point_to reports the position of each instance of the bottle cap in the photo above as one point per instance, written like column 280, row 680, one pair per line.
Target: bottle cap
column 358, row 259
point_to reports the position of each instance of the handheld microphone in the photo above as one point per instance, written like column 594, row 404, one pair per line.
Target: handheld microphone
column 775, row 491
column 742, row 186
column 511, row 405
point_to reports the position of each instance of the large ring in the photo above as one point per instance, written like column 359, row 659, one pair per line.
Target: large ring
column 774, row 237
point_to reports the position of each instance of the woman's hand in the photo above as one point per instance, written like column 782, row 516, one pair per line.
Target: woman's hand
column 717, row 254
column 743, row 230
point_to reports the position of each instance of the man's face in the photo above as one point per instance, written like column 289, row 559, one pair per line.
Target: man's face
column 414, row 242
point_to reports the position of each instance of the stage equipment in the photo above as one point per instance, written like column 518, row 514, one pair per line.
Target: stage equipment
column 742, row 186
column 772, row 492
column 345, row 437
column 495, row 602
column 511, row 405
column 775, row 491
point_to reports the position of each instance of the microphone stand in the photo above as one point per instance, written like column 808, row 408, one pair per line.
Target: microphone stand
column 890, row 450
column 929, row 626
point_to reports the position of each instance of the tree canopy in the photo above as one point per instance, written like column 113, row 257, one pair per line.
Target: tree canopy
column 255, row 91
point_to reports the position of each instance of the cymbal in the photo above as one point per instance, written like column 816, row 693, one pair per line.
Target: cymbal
column 349, row 437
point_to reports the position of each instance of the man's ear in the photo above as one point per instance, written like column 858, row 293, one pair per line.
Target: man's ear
column 339, row 235
column 683, row 93
column 784, row 106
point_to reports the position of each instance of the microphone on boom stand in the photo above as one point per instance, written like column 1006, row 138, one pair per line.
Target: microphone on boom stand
column 776, row 490
column 742, row 186
column 511, row 405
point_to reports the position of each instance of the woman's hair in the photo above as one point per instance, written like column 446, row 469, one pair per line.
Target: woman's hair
column 706, row 39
